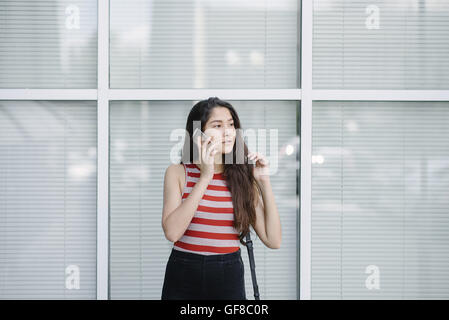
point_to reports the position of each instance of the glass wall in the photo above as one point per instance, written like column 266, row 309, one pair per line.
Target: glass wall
column 380, row 175
column 144, row 135
column 48, row 44
column 48, row 183
column 204, row 44
column 380, row 45
column 82, row 158
column 379, row 169
column 48, row 150
column 195, row 45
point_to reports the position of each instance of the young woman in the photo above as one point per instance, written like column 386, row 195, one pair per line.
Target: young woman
column 209, row 206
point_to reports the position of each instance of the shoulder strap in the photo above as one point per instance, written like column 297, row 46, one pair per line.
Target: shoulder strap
column 252, row 264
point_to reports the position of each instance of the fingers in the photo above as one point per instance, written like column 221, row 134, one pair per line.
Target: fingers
column 252, row 155
column 208, row 149
column 212, row 149
column 205, row 144
column 211, row 154
column 202, row 145
column 256, row 156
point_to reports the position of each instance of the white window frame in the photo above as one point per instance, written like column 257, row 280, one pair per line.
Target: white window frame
column 306, row 95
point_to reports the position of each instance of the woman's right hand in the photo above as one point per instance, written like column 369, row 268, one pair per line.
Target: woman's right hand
column 207, row 151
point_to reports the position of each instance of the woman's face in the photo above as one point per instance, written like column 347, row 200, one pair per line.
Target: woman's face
column 220, row 127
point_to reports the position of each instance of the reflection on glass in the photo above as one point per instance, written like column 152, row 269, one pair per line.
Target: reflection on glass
column 379, row 200
column 48, row 183
column 204, row 44
column 142, row 137
column 48, row 44
column 381, row 45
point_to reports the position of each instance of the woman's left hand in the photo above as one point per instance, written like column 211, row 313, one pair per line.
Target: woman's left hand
column 261, row 170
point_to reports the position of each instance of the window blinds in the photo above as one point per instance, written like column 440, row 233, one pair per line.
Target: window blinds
column 48, row 44
column 204, row 44
column 139, row 154
column 360, row 44
column 380, row 175
column 48, row 199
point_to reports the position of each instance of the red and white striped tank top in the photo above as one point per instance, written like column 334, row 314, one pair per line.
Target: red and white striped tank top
column 211, row 229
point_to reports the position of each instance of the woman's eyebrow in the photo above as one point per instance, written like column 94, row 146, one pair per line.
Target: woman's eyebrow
column 220, row 120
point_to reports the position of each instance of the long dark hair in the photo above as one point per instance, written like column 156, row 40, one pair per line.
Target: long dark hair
column 239, row 176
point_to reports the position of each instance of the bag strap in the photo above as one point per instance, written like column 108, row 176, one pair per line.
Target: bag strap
column 252, row 264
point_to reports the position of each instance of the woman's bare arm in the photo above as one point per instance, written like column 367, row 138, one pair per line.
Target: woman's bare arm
column 176, row 214
column 268, row 224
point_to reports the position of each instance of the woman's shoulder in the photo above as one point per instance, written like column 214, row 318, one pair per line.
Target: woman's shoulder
column 176, row 170
column 175, row 166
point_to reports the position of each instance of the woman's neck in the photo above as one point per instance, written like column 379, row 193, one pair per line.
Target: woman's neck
column 218, row 168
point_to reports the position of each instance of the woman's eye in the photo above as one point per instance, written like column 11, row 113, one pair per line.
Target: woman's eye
column 218, row 125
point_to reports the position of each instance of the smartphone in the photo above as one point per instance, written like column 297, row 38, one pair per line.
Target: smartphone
column 199, row 132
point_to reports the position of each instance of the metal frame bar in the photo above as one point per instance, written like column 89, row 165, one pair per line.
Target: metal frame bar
column 381, row 95
column 237, row 94
column 306, row 151
column 103, row 152
column 198, row 94
column 48, row 94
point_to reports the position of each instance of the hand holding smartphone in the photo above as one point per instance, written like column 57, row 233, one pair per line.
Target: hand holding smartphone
column 207, row 150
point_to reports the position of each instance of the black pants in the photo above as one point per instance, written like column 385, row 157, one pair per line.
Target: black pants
column 200, row 277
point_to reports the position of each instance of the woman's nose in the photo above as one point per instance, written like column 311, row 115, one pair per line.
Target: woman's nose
column 228, row 132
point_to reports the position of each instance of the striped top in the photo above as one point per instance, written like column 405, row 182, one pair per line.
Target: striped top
column 211, row 229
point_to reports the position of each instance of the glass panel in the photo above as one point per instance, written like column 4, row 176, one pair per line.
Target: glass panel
column 48, row 44
column 205, row 44
column 380, row 227
column 140, row 153
column 48, row 181
column 385, row 44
